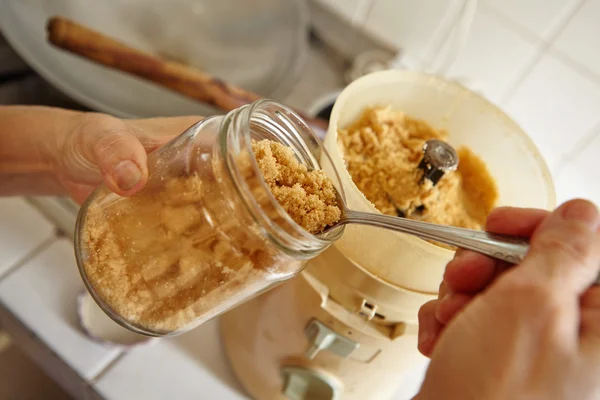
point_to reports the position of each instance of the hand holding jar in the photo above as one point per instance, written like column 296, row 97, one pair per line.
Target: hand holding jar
column 103, row 149
column 52, row 151
column 531, row 331
column 207, row 231
column 203, row 231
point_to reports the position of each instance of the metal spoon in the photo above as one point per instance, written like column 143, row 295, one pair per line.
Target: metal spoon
column 511, row 249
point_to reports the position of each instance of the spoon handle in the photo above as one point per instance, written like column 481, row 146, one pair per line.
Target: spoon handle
column 511, row 249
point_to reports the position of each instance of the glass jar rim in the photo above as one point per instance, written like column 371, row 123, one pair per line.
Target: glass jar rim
column 287, row 127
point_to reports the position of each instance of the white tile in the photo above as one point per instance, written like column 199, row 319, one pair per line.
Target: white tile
column 580, row 176
column 579, row 39
column 586, row 158
column 42, row 294
column 190, row 366
column 576, row 182
column 556, row 106
column 537, row 16
column 22, row 229
column 492, row 57
column 407, row 24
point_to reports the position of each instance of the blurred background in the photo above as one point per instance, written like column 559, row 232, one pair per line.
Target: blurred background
column 537, row 59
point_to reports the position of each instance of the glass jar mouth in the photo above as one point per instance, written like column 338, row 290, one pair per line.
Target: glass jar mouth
column 267, row 119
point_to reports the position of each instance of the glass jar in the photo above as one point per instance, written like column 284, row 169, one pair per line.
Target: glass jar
column 205, row 234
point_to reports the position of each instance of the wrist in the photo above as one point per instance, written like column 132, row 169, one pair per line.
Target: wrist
column 30, row 137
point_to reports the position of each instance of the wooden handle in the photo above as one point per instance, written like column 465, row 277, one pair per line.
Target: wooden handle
column 190, row 82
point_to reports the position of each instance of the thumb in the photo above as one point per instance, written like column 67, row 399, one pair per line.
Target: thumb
column 120, row 157
column 565, row 248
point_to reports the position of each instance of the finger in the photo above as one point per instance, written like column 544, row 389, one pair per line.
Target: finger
column 120, row 157
column 469, row 272
column 154, row 132
column 429, row 328
column 443, row 290
column 152, row 140
column 450, row 306
column 515, row 221
column 565, row 249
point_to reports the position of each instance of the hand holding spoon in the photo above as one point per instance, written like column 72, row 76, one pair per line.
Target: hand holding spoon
column 507, row 248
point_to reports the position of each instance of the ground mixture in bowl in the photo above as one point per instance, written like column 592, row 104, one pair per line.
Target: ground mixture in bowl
column 382, row 151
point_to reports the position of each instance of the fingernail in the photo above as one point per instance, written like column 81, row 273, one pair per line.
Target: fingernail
column 582, row 211
column 127, row 174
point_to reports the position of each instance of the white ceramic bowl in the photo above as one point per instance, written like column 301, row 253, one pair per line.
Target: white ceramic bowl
column 514, row 161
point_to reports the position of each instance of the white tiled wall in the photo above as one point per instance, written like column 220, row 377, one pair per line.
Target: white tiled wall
column 395, row 19
column 501, row 55
column 579, row 39
column 539, row 17
column 556, row 105
column 538, row 59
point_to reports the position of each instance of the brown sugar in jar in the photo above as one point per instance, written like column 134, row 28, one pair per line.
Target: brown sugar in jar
column 307, row 196
column 228, row 211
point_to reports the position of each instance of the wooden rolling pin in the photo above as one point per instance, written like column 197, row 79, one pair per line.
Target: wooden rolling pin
column 190, row 82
